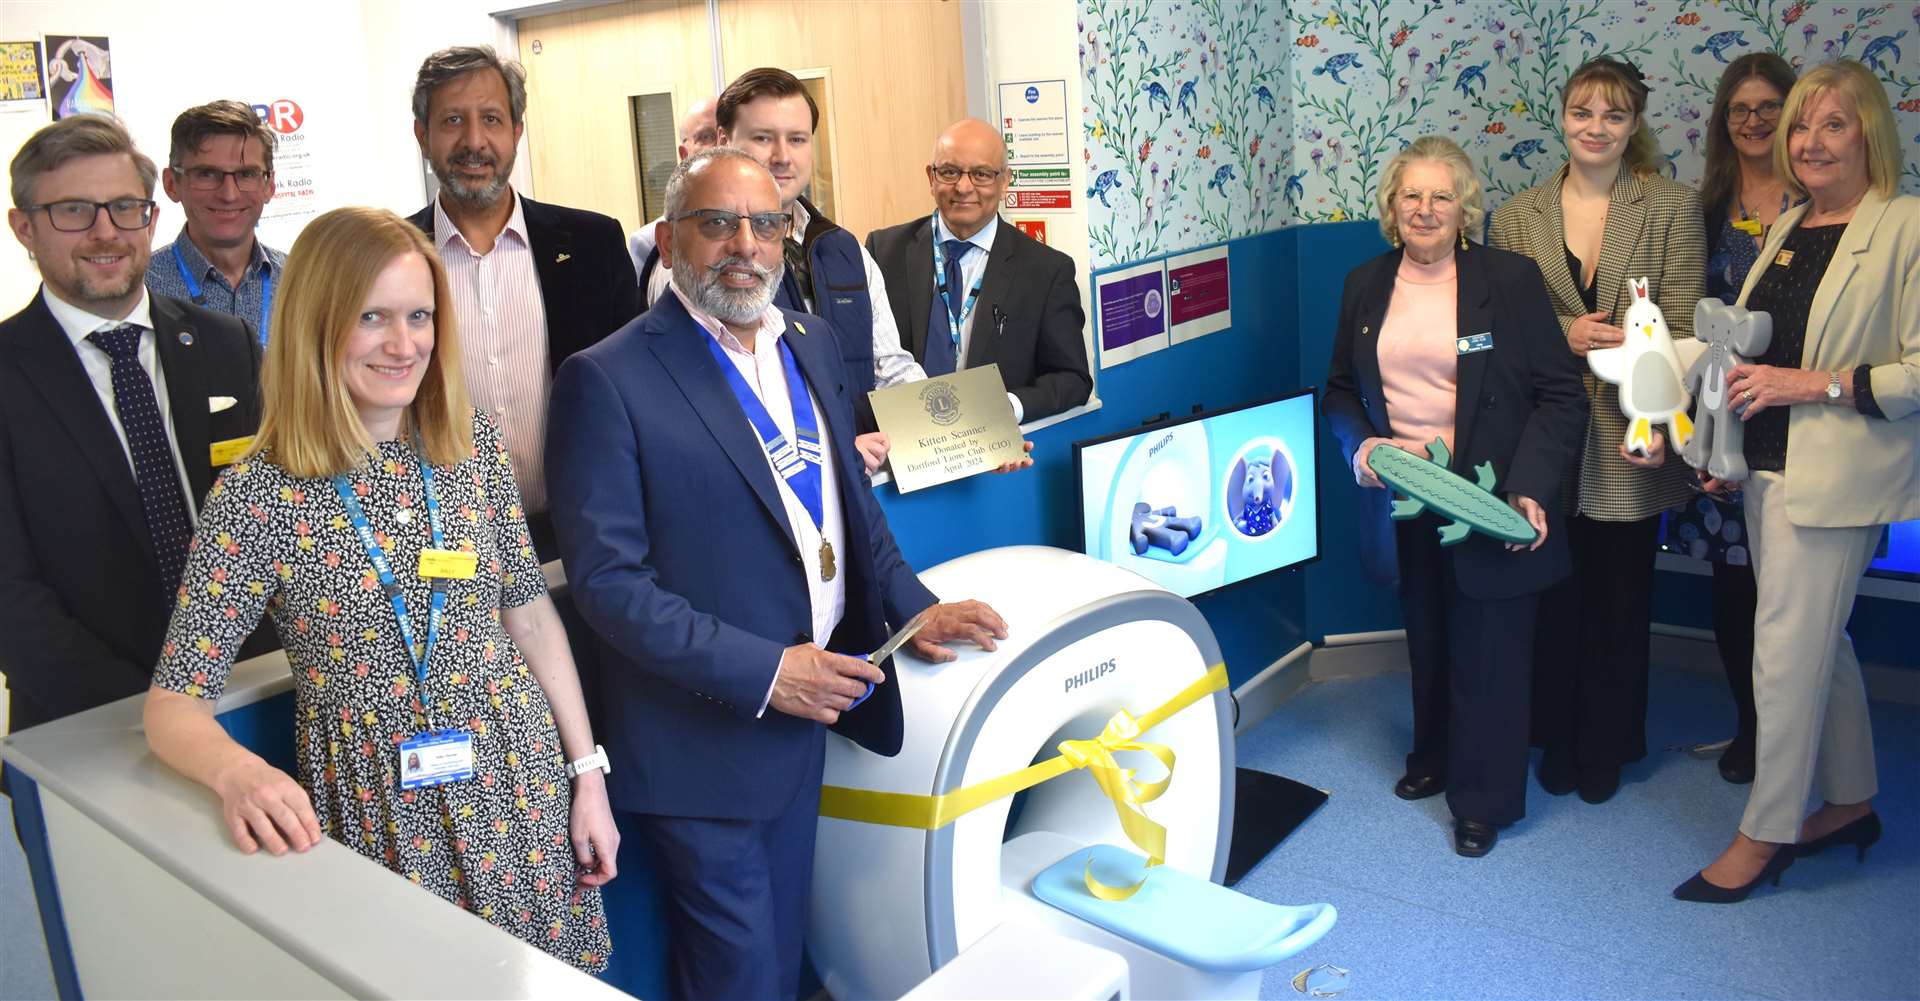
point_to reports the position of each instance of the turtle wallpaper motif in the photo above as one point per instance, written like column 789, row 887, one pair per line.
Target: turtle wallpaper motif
column 1217, row 119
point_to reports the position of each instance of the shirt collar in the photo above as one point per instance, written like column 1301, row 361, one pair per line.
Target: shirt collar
column 773, row 323
column 445, row 232
column 982, row 239
column 197, row 263
column 78, row 322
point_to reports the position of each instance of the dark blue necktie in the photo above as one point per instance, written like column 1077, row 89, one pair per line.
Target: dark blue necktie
column 942, row 354
column 153, row 470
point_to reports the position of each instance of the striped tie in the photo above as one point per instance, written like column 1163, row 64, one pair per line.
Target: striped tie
column 153, row 469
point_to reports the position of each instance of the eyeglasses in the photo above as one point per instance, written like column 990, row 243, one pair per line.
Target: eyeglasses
column 1438, row 199
column 719, row 224
column 980, row 176
column 78, row 215
column 1766, row 111
column 248, row 179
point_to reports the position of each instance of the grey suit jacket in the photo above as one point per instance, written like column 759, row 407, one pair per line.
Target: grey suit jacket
column 1654, row 230
column 1846, row 469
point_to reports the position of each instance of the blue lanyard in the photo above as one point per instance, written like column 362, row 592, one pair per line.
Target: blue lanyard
column 391, row 585
column 798, row 462
column 940, row 282
column 200, row 299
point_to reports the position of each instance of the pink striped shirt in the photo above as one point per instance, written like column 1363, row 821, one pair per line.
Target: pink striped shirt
column 1419, row 368
column 503, row 340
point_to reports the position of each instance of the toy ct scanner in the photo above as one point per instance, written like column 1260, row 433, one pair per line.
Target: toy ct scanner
column 903, row 891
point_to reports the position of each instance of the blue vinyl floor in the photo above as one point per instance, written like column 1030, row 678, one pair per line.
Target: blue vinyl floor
column 1574, row 901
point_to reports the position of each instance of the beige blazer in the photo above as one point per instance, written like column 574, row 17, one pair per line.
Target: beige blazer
column 1655, row 230
column 1845, row 469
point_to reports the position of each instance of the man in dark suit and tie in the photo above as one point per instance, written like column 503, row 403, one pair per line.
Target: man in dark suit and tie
column 532, row 282
column 721, row 537
column 969, row 291
column 116, row 409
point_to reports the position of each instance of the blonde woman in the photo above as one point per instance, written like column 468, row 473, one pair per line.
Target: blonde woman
column 378, row 525
column 1605, row 217
column 1832, row 411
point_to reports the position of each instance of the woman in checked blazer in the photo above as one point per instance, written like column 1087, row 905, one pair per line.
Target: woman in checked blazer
column 1607, row 216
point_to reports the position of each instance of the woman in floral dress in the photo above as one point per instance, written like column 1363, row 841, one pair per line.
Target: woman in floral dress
column 437, row 707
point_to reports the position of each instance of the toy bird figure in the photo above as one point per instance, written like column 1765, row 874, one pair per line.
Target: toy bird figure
column 1647, row 370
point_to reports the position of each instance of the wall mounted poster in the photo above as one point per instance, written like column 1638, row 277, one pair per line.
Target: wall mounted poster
column 1132, row 306
column 79, row 75
column 1199, row 295
column 22, row 87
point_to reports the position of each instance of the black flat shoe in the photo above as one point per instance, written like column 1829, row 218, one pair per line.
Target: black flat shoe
column 1474, row 839
column 1736, row 762
column 1861, row 833
column 1557, row 773
column 1698, row 891
column 1599, row 783
column 1413, row 786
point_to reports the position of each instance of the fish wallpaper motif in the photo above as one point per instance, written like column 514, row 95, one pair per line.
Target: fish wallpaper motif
column 1331, row 89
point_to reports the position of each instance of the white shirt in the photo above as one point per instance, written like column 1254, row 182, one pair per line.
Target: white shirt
column 503, row 340
column 765, row 373
column 78, row 323
column 973, row 265
column 892, row 364
column 640, row 244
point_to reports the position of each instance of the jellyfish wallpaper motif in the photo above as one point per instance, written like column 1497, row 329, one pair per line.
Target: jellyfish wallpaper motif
column 79, row 75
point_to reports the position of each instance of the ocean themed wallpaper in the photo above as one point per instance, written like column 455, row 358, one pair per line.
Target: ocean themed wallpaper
column 1226, row 118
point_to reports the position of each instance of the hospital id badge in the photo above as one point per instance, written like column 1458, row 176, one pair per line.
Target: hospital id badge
column 448, row 564
column 433, row 759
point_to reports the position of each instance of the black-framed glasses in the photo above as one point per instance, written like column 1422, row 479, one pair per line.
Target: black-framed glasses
column 78, row 215
column 719, row 224
column 248, row 179
column 1766, row 111
column 980, row 176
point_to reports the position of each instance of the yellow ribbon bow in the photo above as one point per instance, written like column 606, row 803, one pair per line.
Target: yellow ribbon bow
column 1118, row 783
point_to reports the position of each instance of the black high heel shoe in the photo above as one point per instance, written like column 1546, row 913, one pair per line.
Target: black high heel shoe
column 1860, row 833
column 1698, row 891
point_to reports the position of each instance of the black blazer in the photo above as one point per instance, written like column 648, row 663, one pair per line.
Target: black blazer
column 587, row 284
column 1520, row 405
column 1028, row 319
column 80, row 600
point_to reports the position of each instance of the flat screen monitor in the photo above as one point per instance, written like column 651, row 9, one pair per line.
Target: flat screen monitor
column 1901, row 560
column 1201, row 502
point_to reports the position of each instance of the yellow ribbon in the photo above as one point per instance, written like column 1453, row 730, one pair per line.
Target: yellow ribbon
column 898, row 809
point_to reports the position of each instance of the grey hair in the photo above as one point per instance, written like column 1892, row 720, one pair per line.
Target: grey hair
column 1438, row 149
column 70, row 139
column 678, row 183
column 448, row 65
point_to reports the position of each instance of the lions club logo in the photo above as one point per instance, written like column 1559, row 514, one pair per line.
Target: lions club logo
column 942, row 403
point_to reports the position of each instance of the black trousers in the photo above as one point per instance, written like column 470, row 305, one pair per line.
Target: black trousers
column 1591, row 645
column 1735, row 595
column 1470, row 661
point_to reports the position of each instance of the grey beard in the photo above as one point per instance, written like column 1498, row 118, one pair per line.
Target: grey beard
column 739, row 307
column 484, row 197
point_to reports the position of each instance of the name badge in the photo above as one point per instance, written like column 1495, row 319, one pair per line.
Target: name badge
column 1751, row 227
column 1783, row 258
column 433, row 759
column 450, row 564
column 1476, row 343
column 224, row 452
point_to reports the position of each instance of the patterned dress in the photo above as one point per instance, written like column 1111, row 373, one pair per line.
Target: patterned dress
column 496, row 844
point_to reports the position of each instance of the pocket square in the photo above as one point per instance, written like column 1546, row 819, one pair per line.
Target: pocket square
column 215, row 404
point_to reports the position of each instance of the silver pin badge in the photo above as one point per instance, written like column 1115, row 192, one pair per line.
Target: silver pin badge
column 186, row 338
column 404, row 516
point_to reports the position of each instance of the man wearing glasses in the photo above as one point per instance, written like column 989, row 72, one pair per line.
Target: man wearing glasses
column 970, row 292
column 116, row 409
column 722, row 542
column 220, row 170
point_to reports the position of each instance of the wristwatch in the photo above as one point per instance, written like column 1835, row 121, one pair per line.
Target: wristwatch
column 1833, row 387
column 596, row 760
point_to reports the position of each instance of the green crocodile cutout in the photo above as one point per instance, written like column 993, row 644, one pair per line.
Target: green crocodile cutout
column 1428, row 483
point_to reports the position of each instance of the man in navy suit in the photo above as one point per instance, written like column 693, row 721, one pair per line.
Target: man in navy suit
column 721, row 538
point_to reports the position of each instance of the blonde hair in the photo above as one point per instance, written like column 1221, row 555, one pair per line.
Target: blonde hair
column 1621, row 86
column 308, row 421
column 1863, row 90
column 1437, row 149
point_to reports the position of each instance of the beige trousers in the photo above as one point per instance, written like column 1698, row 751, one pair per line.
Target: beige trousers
column 1806, row 680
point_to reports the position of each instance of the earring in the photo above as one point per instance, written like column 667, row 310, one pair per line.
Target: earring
column 1394, row 238
column 1463, row 241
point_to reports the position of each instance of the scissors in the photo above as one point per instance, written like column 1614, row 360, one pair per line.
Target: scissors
column 888, row 649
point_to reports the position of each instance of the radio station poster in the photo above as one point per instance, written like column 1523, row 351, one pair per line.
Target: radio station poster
column 23, row 85
column 295, row 195
column 1131, row 304
column 1199, row 294
column 79, row 75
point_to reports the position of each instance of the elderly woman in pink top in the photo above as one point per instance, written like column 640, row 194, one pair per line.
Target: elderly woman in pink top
column 1440, row 339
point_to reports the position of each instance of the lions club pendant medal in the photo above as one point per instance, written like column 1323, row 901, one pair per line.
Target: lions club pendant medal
column 826, row 560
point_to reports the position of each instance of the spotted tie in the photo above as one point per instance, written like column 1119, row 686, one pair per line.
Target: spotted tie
column 153, row 469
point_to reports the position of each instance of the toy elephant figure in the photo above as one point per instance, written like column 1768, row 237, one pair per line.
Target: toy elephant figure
column 1733, row 335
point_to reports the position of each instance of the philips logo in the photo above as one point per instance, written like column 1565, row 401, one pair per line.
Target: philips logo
column 1093, row 673
column 1158, row 445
